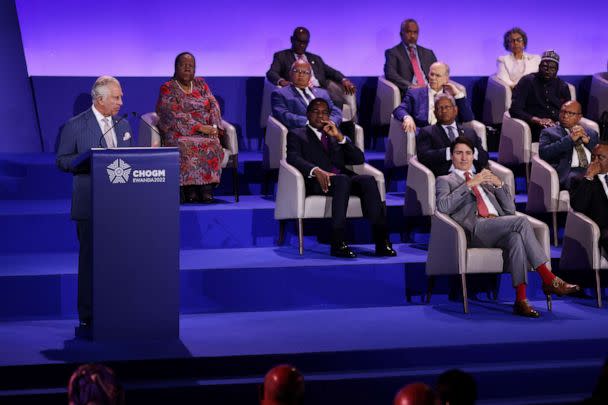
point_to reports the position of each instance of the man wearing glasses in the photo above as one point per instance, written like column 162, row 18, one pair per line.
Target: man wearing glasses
column 538, row 96
column 289, row 103
column 567, row 146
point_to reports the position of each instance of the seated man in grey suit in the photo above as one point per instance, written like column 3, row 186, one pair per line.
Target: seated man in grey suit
column 567, row 146
column 289, row 103
column 280, row 69
column 96, row 127
column 408, row 63
column 433, row 142
column 417, row 107
column 485, row 209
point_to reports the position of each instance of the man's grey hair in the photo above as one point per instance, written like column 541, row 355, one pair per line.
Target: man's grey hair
column 445, row 66
column 101, row 87
column 440, row 96
column 406, row 22
column 300, row 61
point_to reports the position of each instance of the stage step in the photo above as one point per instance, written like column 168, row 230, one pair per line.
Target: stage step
column 43, row 286
column 356, row 356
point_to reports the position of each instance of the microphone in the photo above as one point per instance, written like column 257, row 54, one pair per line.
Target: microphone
column 122, row 117
column 154, row 130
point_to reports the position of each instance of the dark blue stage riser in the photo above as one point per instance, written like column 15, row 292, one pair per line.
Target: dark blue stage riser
column 299, row 287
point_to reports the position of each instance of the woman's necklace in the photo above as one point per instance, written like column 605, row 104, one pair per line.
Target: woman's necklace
column 182, row 89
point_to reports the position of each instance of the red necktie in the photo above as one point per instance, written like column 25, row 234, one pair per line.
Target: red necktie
column 417, row 71
column 482, row 208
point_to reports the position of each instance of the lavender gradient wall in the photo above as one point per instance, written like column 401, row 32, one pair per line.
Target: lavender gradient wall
column 237, row 38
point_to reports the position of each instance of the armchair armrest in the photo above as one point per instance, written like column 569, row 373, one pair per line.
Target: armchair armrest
column 515, row 141
column 580, row 248
column 480, row 130
column 291, row 193
column 370, row 170
column 503, row 173
column 275, row 143
column 497, row 101
column 589, row 124
column 387, row 99
column 359, row 138
column 230, row 140
column 447, row 246
column 598, row 96
column 541, row 230
column 543, row 190
column 401, row 146
column 420, row 191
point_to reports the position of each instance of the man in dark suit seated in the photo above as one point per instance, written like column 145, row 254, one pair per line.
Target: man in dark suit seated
column 433, row 141
column 408, row 63
column 417, row 107
column 486, row 210
column 537, row 97
column 589, row 195
column 96, row 127
column 567, row 146
column 280, row 69
column 321, row 152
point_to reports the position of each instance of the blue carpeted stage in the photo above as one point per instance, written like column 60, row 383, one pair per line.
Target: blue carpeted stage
column 356, row 328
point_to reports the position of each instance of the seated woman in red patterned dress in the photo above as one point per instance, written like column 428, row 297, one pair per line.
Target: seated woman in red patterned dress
column 189, row 118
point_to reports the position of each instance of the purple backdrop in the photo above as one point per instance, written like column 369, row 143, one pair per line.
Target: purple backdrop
column 141, row 38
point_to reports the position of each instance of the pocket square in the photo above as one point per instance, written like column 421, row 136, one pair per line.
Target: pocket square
column 126, row 136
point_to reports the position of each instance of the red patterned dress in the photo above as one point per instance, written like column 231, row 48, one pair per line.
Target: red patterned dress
column 180, row 115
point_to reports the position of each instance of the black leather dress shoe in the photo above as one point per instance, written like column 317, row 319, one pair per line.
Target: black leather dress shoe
column 342, row 250
column 523, row 308
column 385, row 248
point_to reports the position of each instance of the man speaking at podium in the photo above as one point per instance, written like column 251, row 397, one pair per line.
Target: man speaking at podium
column 97, row 127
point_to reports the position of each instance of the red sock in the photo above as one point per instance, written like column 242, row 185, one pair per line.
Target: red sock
column 520, row 292
column 545, row 273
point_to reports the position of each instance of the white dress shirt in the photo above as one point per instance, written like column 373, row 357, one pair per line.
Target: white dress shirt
column 100, row 121
column 602, row 178
column 491, row 208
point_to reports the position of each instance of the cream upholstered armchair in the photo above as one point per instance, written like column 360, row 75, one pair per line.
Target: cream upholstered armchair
column 544, row 194
column 276, row 137
column 581, row 250
column 449, row 253
column 148, row 135
column 497, row 101
column 420, row 184
column 401, row 146
column 598, row 96
column 515, row 145
column 293, row 203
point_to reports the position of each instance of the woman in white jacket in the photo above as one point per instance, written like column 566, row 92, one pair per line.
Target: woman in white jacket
column 517, row 63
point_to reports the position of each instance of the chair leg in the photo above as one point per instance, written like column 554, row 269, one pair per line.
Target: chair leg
column 429, row 288
column 235, row 177
column 555, row 242
column 301, row 236
column 598, row 288
column 465, row 299
column 281, row 239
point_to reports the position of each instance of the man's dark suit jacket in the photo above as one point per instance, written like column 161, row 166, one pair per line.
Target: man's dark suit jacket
column 398, row 67
column 556, row 148
column 305, row 151
column 416, row 104
column 589, row 198
column 282, row 61
column 80, row 134
column 432, row 142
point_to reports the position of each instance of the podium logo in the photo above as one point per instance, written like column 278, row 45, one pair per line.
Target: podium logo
column 118, row 171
